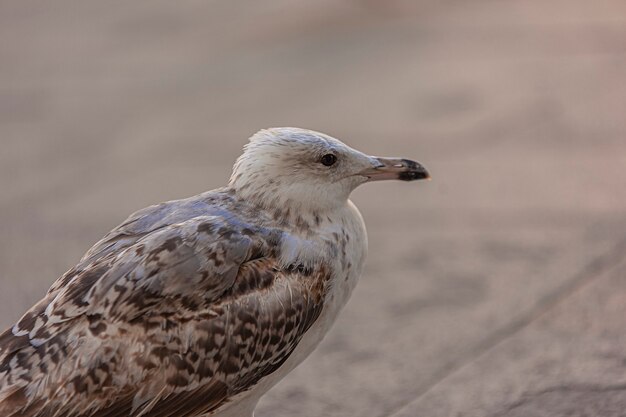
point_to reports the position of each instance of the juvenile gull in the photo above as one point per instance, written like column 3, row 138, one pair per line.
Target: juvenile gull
column 197, row 307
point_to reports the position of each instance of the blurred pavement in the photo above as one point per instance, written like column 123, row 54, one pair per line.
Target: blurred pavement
column 497, row 289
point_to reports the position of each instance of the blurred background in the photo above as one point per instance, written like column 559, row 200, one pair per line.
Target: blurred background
column 498, row 288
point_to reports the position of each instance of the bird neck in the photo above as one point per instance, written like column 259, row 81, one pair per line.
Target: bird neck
column 291, row 201
column 287, row 210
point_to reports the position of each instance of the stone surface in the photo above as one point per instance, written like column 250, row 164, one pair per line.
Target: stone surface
column 495, row 289
column 570, row 360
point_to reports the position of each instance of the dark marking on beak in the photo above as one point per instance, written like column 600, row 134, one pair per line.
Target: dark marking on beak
column 396, row 169
column 414, row 171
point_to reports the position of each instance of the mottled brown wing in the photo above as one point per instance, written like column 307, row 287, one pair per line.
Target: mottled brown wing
column 191, row 308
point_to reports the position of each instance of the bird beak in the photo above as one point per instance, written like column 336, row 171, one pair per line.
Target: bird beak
column 395, row 169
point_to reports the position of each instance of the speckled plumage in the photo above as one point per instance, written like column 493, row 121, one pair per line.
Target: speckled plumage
column 196, row 307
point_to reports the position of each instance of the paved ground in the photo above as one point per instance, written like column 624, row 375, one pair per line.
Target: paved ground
column 497, row 289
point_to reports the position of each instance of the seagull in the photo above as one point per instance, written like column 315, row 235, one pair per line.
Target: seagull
column 197, row 307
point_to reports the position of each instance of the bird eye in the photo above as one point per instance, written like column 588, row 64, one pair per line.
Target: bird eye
column 328, row 159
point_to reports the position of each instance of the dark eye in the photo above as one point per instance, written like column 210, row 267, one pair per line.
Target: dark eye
column 328, row 159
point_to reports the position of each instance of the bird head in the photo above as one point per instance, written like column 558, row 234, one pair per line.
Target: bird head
column 287, row 167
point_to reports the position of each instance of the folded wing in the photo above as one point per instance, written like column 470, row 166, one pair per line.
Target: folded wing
column 172, row 322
